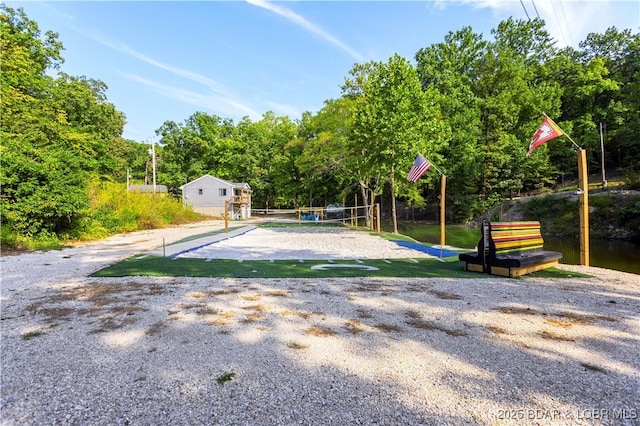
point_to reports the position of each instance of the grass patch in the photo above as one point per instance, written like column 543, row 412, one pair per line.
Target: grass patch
column 320, row 331
column 225, row 377
column 226, row 268
column 556, row 273
column 208, row 234
column 455, row 235
column 159, row 266
column 294, row 345
column 31, row 334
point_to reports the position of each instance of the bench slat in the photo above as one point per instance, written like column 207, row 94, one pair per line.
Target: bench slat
column 513, row 249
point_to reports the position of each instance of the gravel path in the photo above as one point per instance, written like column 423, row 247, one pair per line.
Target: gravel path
column 143, row 350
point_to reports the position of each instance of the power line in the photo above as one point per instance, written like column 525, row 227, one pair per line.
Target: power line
column 566, row 23
column 535, row 8
column 525, row 10
column 558, row 22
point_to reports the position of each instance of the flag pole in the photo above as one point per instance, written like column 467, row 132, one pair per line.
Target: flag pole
column 443, row 187
column 575, row 145
column 583, row 197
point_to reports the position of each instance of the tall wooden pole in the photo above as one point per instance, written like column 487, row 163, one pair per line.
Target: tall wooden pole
column 443, row 186
column 583, row 197
column 226, row 217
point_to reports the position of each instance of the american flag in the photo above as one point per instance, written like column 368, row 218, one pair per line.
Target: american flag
column 420, row 166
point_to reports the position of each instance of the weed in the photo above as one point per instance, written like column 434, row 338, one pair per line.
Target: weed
column 252, row 298
column 388, row 328
column 252, row 317
column 31, row 334
column 558, row 323
column 223, row 319
column 225, row 377
column 255, row 308
column 320, row 331
column 300, row 314
column 593, row 367
column 445, row 295
column 155, row 328
column 294, row 345
column 279, row 293
column 354, row 326
column 554, row 336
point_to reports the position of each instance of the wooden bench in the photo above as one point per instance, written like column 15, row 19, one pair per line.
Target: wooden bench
column 510, row 249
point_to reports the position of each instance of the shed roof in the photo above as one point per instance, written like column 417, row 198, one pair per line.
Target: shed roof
column 226, row 182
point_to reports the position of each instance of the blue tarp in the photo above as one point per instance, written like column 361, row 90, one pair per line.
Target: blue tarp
column 433, row 251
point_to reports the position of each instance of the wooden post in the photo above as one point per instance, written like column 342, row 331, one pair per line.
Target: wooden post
column 583, row 197
column 356, row 202
column 226, row 217
column 378, row 217
column 443, row 186
column 371, row 212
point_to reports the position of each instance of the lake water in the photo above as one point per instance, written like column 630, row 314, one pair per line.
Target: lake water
column 610, row 254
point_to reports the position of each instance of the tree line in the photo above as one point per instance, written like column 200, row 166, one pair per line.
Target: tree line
column 469, row 104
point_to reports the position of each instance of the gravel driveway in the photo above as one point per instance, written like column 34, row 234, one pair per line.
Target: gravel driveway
column 143, row 350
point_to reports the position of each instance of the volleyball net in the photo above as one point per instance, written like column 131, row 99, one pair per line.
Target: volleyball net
column 358, row 216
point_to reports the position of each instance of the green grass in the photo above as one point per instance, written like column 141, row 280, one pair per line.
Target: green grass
column 207, row 234
column 227, row 268
column 225, row 377
column 455, row 235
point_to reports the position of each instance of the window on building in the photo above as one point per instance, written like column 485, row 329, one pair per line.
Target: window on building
column 200, row 191
column 222, row 192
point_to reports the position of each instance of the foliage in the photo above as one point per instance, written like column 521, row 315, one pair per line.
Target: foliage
column 56, row 132
column 470, row 105
column 114, row 210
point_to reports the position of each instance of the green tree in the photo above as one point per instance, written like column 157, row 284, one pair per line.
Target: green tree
column 53, row 132
column 394, row 121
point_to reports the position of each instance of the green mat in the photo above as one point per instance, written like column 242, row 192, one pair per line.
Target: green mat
column 144, row 265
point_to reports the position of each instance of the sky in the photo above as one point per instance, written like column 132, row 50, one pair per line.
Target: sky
column 164, row 61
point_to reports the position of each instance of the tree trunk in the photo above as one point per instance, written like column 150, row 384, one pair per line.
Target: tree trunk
column 393, row 202
column 365, row 200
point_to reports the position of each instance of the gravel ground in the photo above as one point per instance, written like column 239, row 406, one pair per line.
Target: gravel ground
column 143, row 350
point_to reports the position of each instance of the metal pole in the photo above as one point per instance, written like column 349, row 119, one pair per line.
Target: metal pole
column 153, row 154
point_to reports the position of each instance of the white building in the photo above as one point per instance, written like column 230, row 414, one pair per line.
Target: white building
column 208, row 194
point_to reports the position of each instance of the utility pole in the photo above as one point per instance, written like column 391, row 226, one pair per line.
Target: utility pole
column 152, row 151
column 604, row 179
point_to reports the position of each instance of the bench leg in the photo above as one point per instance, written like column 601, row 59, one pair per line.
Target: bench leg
column 516, row 272
column 474, row 267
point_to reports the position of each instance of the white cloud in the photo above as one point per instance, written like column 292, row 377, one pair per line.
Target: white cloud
column 221, row 105
column 309, row 26
column 289, row 110
column 189, row 75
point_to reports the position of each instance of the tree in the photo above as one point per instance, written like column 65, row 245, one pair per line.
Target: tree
column 394, row 121
column 452, row 67
column 56, row 132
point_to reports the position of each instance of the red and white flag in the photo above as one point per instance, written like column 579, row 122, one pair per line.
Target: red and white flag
column 420, row 165
column 548, row 130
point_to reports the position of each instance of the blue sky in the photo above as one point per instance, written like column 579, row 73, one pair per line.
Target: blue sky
column 166, row 60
